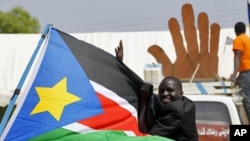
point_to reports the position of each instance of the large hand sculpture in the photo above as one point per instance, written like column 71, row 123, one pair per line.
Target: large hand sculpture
column 198, row 57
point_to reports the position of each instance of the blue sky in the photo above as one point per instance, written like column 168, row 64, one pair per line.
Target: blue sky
column 125, row 15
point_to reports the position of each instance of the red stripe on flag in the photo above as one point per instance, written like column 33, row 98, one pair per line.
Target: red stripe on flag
column 114, row 117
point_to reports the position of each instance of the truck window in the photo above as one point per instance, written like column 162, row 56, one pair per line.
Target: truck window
column 213, row 121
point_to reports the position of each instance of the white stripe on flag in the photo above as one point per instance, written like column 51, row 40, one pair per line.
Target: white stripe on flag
column 111, row 95
column 79, row 128
column 82, row 129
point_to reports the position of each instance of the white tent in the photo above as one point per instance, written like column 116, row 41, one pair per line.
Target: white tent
column 16, row 50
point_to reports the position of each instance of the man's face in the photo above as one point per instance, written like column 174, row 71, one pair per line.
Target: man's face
column 169, row 91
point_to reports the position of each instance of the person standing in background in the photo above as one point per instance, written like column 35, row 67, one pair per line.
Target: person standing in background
column 241, row 72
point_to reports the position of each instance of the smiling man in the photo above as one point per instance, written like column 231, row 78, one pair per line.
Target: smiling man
column 169, row 114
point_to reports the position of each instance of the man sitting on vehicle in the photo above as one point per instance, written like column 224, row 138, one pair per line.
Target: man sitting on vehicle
column 169, row 114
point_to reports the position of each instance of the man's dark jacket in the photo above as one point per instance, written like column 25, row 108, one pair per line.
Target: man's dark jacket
column 176, row 120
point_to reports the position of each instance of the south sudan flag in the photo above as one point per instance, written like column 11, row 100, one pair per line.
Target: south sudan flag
column 76, row 91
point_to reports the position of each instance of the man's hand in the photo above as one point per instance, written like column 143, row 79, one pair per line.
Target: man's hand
column 119, row 51
column 188, row 58
column 146, row 91
column 233, row 78
column 145, row 119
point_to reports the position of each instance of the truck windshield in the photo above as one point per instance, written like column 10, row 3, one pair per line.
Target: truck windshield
column 213, row 121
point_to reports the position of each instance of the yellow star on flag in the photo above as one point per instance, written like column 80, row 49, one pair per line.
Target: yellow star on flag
column 54, row 99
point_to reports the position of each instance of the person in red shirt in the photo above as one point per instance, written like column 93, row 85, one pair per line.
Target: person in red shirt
column 241, row 73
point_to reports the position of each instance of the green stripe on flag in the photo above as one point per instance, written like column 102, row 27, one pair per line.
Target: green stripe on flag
column 57, row 134
column 102, row 135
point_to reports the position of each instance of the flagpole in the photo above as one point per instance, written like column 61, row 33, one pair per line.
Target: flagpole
column 248, row 29
column 248, row 12
column 21, row 82
column 224, row 50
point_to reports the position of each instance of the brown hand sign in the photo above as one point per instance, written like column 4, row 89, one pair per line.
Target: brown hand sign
column 192, row 58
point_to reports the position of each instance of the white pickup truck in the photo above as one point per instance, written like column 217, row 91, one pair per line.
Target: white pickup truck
column 216, row 109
